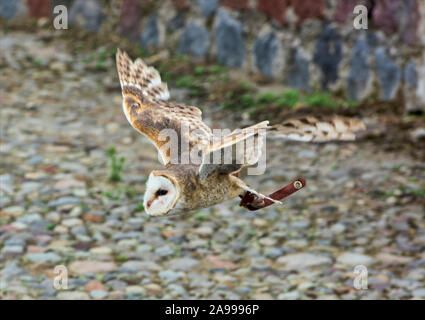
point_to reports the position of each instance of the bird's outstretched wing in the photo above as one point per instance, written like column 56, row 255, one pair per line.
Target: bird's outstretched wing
column 303, row 128
column 230, row 153
column 146, row 107
column 318, row 128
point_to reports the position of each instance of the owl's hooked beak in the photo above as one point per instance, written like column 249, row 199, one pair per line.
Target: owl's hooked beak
column 148, row 205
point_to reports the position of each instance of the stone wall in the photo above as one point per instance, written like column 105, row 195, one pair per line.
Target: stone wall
column 309, row 45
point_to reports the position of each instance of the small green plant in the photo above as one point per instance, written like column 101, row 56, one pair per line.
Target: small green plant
column 215, row 69
column 199, row 70
column 121, row 258
column 228, row 95
column 334, row 166
column 200, row 216
column 420, row 193
column 245, row 86
column 195, row 92
column 251, row 233
column 116, row 166
column 321, row 99
column 184, row 58
column 140, row 207
column 288, row 98
column 267, row 97
column 140, row 52
column 311, row 235
column 101, row 59
column 351, row 103
column 103, row 55
column 186, row 82
column 80, row 47
column 114, row 195
column 84, row 207
column 38, row 62
column 190, row 82
column 166, row 76
column 50, row 226
column 100, row 65
column 246, row 100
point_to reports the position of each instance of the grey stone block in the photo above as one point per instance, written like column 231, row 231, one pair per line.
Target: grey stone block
column 389, row 74
column 150, row 34
column 86, row 14
column 265, row 50
column 194, row 41
column 328, row 54
column 229, row 40
column 359, row 69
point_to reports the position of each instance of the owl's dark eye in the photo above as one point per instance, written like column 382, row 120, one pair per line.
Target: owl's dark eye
column 161, row 192
column 135, row 107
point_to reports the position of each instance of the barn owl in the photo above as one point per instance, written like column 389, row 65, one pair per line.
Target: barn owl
column 185, row 186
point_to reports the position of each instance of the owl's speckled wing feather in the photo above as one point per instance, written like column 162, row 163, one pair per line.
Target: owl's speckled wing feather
column 319, row 128
column 303, row 128
column 241, row 148
column 148, row 111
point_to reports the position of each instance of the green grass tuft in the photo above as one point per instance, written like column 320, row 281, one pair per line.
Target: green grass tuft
column 321, row 99
column 186, row 82
column 116, row 165
column 288, row 99
column 267, row 97
column 140, row 207
column 199, row 70
column 215, row 69
column 246, row 100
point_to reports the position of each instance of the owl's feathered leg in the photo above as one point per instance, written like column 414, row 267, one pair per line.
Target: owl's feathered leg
column 251, row 200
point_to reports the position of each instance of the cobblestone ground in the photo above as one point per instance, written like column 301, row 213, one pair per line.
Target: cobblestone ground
column 59, row 115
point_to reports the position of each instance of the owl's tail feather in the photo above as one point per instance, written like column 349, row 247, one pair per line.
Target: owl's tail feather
column 318, row 129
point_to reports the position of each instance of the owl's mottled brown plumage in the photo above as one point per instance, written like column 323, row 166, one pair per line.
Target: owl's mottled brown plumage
column 200, row 185
column 148, row 111
column 319, row 128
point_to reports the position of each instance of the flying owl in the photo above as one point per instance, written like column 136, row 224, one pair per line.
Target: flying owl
column 189, row 185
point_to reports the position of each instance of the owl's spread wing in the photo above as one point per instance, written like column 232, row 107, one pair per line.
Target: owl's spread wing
column 318, row 128
column 148, row 111
column 303, row 128
column 230, row 153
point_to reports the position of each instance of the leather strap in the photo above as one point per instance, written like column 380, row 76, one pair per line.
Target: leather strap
column 252, row 202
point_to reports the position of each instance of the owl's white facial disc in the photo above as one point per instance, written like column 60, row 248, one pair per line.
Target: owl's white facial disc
column 160, row 195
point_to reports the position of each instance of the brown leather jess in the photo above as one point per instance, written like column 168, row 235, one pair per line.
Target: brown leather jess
column 252, row 202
